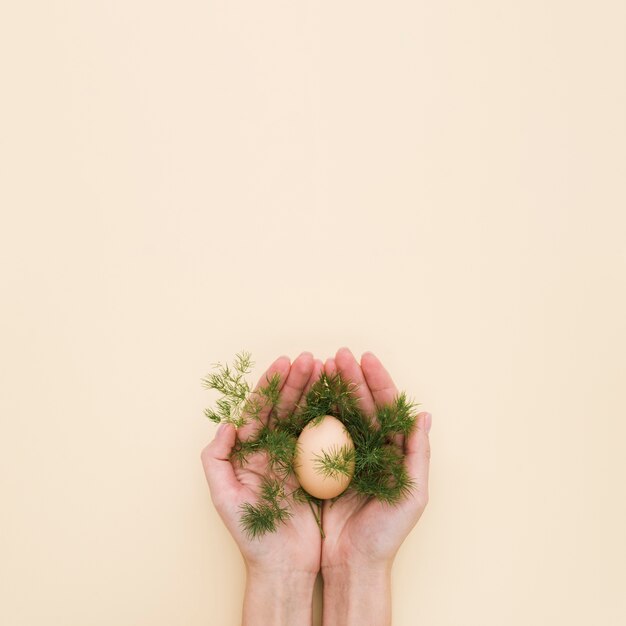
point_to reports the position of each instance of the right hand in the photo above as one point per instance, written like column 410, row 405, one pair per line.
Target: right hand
column 365, row 532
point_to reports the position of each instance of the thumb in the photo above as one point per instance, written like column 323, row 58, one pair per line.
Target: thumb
column 417, row 450
column 218, row 469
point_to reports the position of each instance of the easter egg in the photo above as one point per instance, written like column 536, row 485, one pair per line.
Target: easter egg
column 324, row 439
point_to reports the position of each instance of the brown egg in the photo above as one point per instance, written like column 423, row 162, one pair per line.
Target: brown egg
column 328, row 435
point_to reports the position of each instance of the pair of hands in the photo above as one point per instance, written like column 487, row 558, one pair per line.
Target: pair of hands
column 358, row 532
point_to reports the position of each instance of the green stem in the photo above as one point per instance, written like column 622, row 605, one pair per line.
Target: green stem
column 319, row 523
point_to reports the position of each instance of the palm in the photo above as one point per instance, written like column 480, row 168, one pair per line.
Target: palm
column 296, row 542
column 358, row 528
column 353, row 528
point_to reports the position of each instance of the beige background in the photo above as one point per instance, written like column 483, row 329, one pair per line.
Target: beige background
column 439, row 182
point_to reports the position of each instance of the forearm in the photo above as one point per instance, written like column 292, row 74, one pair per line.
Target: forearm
column 278, row 598
column 357, row 596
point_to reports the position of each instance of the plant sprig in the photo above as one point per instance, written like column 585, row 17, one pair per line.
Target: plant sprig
column 338, row 460
column 238, row 405
column 378, row 464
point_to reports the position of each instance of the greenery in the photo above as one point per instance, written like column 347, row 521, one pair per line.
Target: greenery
column 337, row 460
column 379, row 469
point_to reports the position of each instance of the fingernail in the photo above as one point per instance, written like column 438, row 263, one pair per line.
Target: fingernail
column 220, row 428
column 428, row 421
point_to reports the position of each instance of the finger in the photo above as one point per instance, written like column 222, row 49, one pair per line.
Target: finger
column 291, row 393
column 330, row 367
column 218, row 470
column 417, row 453
column 381, row 386
column 318, row 367
column 350, row 370
column 249, row 430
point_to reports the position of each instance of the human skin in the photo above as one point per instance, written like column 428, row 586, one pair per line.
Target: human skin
column 281, row 567
column 363, row 535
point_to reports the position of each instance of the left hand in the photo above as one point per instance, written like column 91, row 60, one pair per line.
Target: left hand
column 365, row 533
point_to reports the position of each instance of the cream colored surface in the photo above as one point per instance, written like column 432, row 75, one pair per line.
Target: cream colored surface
column 439, row 182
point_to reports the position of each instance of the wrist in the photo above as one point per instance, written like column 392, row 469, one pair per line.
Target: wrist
column 352, row 566
column 357, row 593
column 259, row 574
column 357, row 571
column 278, row 596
